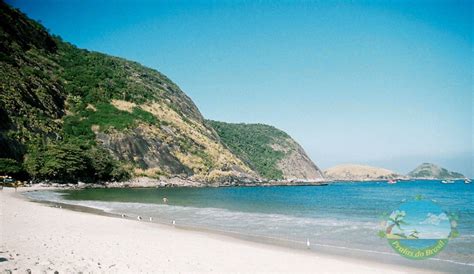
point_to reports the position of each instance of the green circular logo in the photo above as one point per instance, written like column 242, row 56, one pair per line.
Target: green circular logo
column 419, row 229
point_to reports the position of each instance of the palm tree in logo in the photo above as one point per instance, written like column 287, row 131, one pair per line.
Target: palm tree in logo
column 396, row 219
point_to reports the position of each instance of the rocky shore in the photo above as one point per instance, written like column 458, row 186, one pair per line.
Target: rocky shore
column 144, row 182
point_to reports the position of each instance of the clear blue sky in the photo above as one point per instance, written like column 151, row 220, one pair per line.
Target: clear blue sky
column 386, row 83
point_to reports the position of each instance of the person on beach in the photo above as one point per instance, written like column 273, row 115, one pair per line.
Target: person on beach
column 165, row 200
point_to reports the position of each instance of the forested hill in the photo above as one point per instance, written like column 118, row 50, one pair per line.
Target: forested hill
column 72, row 114
column 272, row 153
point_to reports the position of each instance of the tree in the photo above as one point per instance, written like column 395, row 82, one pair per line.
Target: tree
column 9, row 166
column 101, row 162
column 70, row 160
column 120, row 173
column 34, row 159
column 63, row 161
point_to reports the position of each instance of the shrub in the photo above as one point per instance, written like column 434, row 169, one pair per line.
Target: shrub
column 9, row 166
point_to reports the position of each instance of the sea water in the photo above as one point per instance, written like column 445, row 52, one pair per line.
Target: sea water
column 342, row 217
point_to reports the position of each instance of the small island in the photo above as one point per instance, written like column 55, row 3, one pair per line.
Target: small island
column 355, row 172
column 432, row 171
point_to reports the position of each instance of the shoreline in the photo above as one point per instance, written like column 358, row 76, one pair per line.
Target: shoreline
column 346, row 253
column 222, row 252
column 175, row 182
column 146, row 182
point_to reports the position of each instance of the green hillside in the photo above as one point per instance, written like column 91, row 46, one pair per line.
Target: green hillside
column 252, row 142
column 70, row 114
column 57, row 99
column 269, row 151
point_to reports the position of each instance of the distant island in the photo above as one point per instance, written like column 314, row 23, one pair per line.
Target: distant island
column 432, row 171
column 354, row 172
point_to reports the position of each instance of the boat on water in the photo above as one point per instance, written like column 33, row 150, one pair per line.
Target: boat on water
column 392, row 182
column 467, row 181
column 447, row 182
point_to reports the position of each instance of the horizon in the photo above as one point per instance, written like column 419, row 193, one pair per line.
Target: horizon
column 404, row 62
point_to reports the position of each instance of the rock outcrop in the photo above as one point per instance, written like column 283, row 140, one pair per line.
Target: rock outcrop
column 432, row 171
column 353, row 172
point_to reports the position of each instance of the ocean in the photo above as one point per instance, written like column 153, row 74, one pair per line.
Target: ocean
column 341, row 218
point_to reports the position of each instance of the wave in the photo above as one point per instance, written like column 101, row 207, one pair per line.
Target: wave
column 337, row 233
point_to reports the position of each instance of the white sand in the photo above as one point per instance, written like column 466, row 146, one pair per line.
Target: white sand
column 42, row 238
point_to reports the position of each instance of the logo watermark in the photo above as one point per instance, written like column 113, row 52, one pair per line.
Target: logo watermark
column 419, row 228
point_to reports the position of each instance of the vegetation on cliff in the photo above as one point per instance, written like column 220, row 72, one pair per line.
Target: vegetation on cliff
column 271, row 152
column 252, row 143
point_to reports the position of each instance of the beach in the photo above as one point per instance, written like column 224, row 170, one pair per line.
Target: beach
column 41, row 238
